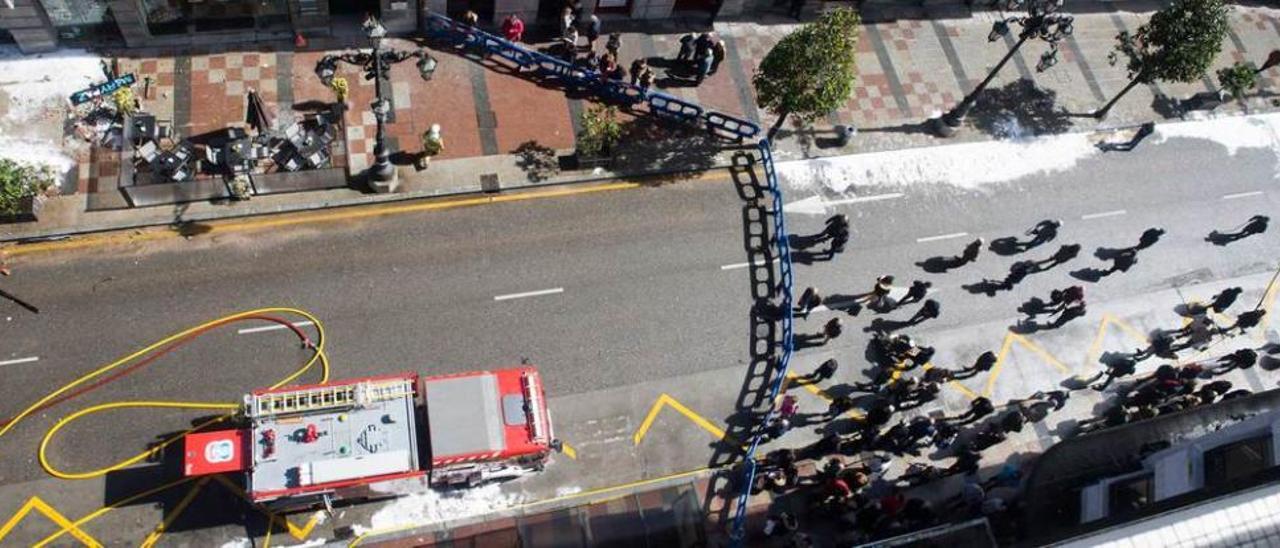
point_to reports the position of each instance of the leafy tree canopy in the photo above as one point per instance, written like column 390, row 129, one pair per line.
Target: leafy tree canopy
column 811, row 71
column 1178, row 44
column 1238, row 79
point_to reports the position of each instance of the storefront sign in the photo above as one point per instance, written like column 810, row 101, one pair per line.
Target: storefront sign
column 85, row 95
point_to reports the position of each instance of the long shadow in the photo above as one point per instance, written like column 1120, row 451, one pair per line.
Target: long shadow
column 765, row 341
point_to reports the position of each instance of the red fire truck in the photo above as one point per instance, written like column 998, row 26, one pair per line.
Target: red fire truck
column 304, row 446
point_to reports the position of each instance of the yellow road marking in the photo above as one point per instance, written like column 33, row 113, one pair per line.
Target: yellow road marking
column 155, row 534
column 1010, row 339
column 37, row 504
column 346, row 213
column 1268, row 303
column 569, row 451
column 853, row 413
column 73, row 526
column 299, row 533
column 665, row 400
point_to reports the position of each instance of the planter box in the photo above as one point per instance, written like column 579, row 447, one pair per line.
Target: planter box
column 577, row 161
column 30, row 210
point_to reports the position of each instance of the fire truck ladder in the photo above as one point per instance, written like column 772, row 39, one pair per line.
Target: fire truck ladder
column 327, row 397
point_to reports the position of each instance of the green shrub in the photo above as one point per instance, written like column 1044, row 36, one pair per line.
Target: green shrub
column 18, row 181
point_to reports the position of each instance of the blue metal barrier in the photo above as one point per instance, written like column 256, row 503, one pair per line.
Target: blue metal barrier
column 738, row 534
column 659, row 103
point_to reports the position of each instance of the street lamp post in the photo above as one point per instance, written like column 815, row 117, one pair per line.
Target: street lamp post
column 376, row 64
column 1043, row 22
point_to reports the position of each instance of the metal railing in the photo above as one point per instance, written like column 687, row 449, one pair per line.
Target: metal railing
column 668, row 107
column 658, row 103
column 737, row 534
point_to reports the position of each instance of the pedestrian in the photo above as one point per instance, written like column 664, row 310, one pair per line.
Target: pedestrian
column 718, row 54
column 470, row 18
column 593, row 30
column 971, row 251
column 782, row 523
column 570, row 41
column 824, row 371
column 646, row 79
column 879, row 412
column 1123, row 261
column 1243, row 358
column 982, row 364
column 1257, row 224
column 1225, row 298
column 1214, row 390
column 928, row 311
column 637, row 67
column 1017, row 272
column 1062, row 255
column 1013, row 420
column 1246, row 320
column 939, row 375
column 1149, row 238
column 831, row 329
column 1119, row 367
column 879, row 292
column 1071, row 297
column 704, row 66
column 967, row 459
column 839, row 406
column 839, row 221
column 917, row 292
column 614, row 44
column 809, row 299
column 513, row 28
column 1043, row 232
column 979, row 407
column 788, row 406
column 566, row 20
column 702, row 46
column 686, row 48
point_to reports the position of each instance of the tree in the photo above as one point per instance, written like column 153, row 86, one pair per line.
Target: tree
column 811, row 71
column 1238, row 79
column 1177, row 45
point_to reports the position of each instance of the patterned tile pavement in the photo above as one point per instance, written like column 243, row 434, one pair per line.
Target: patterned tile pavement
column 909, row 69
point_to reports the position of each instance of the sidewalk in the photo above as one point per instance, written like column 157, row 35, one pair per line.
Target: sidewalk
column 910, row 69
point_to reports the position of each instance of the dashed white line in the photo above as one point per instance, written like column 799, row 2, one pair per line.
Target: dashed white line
column 861, row 199
column 537, row 293
column 1114, row 213
column 271, row 327
column 20, row 360
column 1241, row 195
column 736, row 266
column 941, row 237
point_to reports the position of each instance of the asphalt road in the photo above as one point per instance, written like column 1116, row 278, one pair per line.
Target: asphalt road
column 634, row 285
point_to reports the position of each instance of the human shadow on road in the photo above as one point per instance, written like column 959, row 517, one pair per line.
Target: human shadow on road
column 940, row 264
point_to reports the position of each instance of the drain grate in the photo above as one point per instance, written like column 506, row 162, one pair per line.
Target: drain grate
column 489, row 182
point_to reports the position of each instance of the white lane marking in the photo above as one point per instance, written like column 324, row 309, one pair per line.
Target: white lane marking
column 941, row 237
column 21, row 360
column 1113, row 213
column 861, row 199
column 736, row 266
column 1241, row 195
column 271, row 327
column 537, row 293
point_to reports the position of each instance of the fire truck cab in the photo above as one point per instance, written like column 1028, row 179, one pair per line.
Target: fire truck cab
column 304, row 446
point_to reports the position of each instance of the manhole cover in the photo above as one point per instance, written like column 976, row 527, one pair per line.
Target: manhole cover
column 489, row 182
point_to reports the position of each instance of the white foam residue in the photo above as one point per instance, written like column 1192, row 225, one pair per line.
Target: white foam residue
column 311, row 542
column 440, row 506
column 237, row 543
column 36, row 152
column 566, row 491
column 1233, row 132
column 32, row 81
column 966, row 165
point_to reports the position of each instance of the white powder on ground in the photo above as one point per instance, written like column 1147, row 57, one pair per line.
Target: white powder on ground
column 237, row 543
column 1232, row 132
column 34, row 83
column 36, row 152
column 965, row 165
column 566, row 491
column 440, row 506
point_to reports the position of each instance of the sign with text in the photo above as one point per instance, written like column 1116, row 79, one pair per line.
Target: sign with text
column 85, row 95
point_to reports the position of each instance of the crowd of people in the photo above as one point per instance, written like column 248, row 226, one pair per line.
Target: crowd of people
column 699, row 56
column 868, row 505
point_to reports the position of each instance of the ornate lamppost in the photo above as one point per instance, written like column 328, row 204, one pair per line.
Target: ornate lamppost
column 376, row 64
column 1042, row 21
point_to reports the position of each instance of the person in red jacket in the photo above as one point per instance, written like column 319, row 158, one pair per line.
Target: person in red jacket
column 513, row 28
